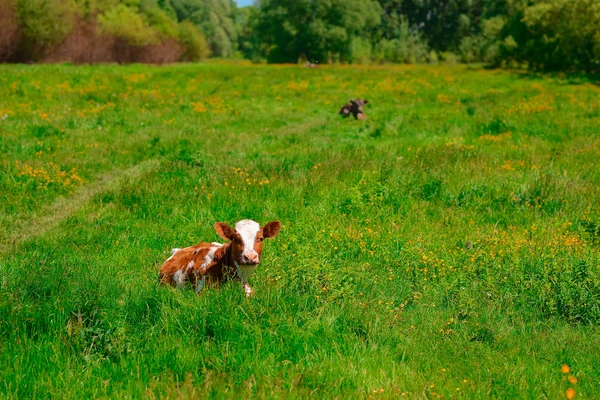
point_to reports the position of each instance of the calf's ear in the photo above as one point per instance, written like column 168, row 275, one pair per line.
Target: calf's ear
column 224, row 230
column 271, row 229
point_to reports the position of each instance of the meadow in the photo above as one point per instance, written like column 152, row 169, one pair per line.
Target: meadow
column 446, row 247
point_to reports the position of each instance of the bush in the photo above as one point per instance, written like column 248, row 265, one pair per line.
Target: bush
column 491, row 51
column 43, row 24
column 161, row 23
column 125, row 23
column 9, row 30
column 433, row 57
column 408, row 47
column 491, row 55
column 193, row 42
column 360, row 51
column 448, row 57
column 411, row 50
column 470, row 49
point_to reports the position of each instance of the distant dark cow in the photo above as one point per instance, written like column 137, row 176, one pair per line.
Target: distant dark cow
column 236, row 259
column 356, row 108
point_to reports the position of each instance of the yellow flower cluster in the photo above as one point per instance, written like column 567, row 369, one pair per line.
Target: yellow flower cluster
column 241, row 179
column 496, row 138
column 135, row 78
column 213, row 104
column 537, row 104
column 566, row 370
column 52, row 174
column 400, row 86
column 458, row 143
column 511, row 165
column 199, row 107
column 300, row 86
column 443, row 98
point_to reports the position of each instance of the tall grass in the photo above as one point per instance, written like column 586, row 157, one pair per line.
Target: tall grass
column 445, row 247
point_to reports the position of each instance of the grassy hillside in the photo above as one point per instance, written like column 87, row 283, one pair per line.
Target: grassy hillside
column 446, row 247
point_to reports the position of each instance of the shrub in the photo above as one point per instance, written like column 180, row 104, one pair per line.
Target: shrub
column 161, row 23
column 470, row 49
column 409, row 50
column 360, row 51
column 433, row 57
column 193, row 42
column 491, row 51
column 125, row 23
column 407, row 47
column 448, row 57
column 9, row 30
column 43, row 24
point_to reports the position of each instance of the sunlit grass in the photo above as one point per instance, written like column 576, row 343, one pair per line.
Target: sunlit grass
column 445, row 247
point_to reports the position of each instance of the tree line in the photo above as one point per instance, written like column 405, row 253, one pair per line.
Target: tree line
column 541, row 34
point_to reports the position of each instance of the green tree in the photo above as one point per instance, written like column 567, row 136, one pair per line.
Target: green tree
column 316, row 30
column 215, row 18
column 565, row 34
column 403, row 46
column 193, row 42
column 443, row 24
column 249, row 43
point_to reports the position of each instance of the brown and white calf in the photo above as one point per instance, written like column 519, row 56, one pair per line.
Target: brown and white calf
column 236, row 259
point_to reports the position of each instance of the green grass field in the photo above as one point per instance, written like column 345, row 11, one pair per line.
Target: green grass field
column 447, row 247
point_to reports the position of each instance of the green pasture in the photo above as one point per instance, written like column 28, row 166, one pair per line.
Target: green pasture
column 446, row 247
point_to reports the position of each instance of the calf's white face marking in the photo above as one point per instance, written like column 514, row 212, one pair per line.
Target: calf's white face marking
column 248, row 230
column 247, row 239
column 246, row 245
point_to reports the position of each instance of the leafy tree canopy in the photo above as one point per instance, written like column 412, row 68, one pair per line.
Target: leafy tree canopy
column 319, row 31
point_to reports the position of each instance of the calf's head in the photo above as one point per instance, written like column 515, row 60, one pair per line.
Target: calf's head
column 247, row 239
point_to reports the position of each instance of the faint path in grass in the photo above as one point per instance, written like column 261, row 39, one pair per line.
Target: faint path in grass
column 47, row 218
column 303, row 126
column 50, row 217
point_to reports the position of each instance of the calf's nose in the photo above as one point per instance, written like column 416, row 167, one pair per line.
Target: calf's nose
column 251, row 256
